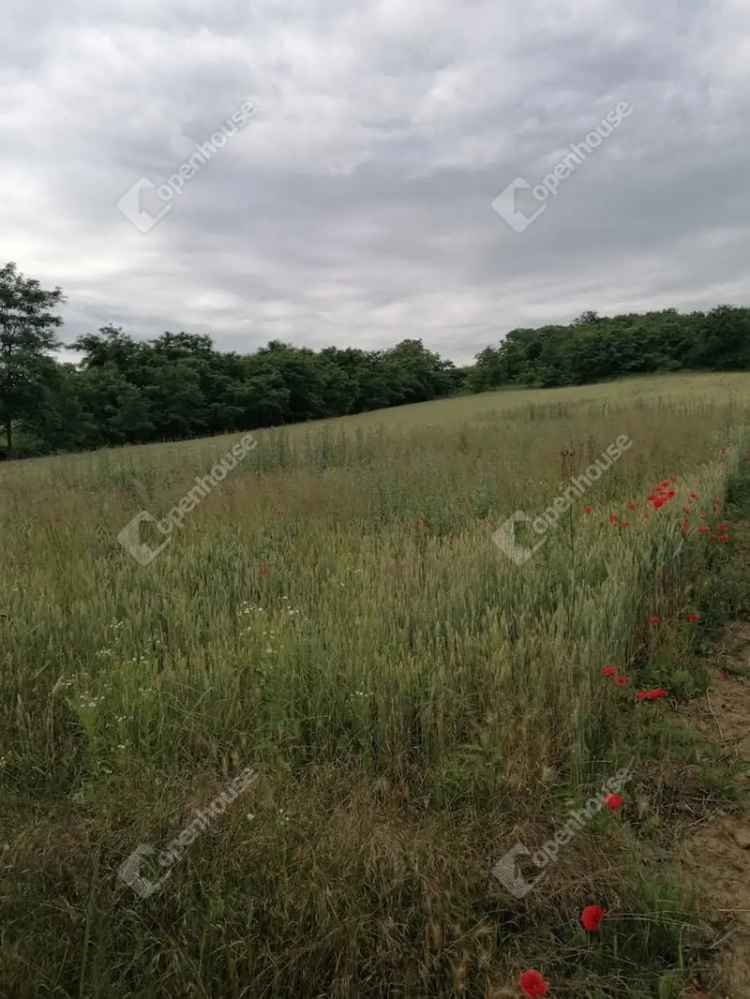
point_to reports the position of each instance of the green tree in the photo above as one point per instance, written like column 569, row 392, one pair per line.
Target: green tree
column 59, row 419
column 27, row 324
column 109, row 346
column 416, row 373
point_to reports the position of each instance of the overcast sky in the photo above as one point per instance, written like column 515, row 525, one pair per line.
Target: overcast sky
column 354, row 207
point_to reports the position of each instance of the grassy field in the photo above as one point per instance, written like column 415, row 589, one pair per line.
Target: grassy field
column 336, row 615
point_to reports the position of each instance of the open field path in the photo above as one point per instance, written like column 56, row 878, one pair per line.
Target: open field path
column 716, row 857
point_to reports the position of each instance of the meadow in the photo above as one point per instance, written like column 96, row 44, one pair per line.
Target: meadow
column 337, row 616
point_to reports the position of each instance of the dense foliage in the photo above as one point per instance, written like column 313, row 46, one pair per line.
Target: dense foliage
column 176, row 386
column 595, row 348
column 27, row 325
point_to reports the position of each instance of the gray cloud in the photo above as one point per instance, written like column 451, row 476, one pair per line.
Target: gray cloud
column 354, row 209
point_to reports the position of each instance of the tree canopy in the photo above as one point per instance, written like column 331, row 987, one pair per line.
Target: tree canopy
column 27, row 325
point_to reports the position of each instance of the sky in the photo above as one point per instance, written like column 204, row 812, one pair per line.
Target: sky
column 351, row 202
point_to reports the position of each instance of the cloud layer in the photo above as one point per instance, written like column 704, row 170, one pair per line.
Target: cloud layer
column 355, row 207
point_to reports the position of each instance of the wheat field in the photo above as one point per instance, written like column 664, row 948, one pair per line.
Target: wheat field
column 336, row 615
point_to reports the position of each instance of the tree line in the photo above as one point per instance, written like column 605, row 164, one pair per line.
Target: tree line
column 177, row 386
column 596, row 348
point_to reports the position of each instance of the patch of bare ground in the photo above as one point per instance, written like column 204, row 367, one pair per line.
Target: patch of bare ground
column 716, row 856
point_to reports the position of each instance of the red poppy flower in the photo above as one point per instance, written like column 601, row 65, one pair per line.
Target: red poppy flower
column 609, row 671
column 632, row 506
column 622, row 681
column 651, row 695
column 625, row 523
column 694, row 496
column 723, row 528
column 662, row 494
column 588, row 509
column 614, row 801
column 693, row 617
column 704, row 530
column 723, row 538
column 533, row 984
column 591, row 918
column 613, row 518
column 654, row 619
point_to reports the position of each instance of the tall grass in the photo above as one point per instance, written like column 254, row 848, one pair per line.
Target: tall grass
column 337, row 614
